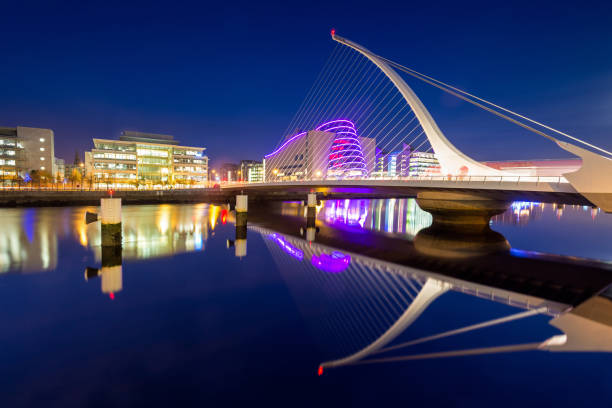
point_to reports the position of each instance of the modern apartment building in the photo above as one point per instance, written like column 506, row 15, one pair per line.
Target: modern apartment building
column 145, row 160
column 23, row 149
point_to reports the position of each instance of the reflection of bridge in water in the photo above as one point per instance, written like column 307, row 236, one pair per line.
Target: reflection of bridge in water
column 362, row 304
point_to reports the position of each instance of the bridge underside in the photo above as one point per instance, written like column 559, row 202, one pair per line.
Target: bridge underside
column 298, row 192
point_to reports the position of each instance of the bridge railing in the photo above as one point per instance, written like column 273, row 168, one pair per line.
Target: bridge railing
column 455, row 179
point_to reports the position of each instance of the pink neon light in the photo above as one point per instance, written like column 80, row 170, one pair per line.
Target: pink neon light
column 334, row 121
column 285, row 144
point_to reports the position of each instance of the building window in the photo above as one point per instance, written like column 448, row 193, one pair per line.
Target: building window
column 42, row 140
column 42, row 167
column 42, row 158
column 42, row 149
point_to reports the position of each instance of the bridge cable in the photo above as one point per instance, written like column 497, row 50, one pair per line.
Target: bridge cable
column 451, row 90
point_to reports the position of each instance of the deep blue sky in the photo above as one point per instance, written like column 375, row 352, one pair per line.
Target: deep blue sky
column 230, row 75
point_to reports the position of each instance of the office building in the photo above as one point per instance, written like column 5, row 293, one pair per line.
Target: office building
column 146, row 161
column 25, row 149
column 392, row 164
column 423, row 164
column 251, row 171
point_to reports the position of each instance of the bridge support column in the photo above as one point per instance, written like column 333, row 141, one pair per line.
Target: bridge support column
column 460, row 208
column 460, row 227
column 110, row 218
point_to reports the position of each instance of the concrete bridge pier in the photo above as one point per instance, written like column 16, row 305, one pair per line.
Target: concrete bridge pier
column 451, row 208
column 460, row 226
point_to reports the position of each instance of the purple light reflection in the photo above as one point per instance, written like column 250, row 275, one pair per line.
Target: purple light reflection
column 287, row 247
column 335, row 262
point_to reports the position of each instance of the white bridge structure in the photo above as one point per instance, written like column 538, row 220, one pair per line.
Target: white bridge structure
column 371, row 302
column 378, row 123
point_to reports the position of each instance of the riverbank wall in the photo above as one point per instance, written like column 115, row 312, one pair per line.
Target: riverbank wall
column 51, row 198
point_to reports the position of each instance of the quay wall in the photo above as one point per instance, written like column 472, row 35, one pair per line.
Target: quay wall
column 50, row 198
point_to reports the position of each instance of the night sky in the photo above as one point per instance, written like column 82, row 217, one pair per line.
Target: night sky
column 230, row 76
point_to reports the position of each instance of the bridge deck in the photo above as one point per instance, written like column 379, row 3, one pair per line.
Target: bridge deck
column 544, row 189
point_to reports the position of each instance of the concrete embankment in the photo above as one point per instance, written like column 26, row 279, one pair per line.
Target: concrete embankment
column 43, row 198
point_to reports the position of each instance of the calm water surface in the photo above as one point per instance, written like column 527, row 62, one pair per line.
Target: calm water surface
column 178, row 318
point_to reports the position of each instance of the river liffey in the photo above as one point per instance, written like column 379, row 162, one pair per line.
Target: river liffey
column 367, row 304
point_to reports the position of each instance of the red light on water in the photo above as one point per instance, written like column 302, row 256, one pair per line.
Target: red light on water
column 223, row 217
column 320, row 372
column 333, row 32
column 111, row 295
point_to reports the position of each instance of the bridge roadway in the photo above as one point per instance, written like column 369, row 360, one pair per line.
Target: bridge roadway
column 506, row 188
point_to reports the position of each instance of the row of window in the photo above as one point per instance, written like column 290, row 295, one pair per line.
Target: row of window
column 130, row 176
column 188, row 153
column 4, row 162
column 10, row 143
column 115, row 166
column 117, row 147
column 116, row 156
column 190, row 169
column 152, row 152
column 189, row 161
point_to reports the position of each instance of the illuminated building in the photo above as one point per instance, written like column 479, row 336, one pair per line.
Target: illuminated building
column 332, row 150
column 346, row 157
column 146, row 160
column 251, row 171
column 23, row 149
column 60, row 169
column 423, row 164
column 229, row 172
column 392, row 164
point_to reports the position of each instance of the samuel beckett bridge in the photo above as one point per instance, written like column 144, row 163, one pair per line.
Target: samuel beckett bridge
column 361, row 130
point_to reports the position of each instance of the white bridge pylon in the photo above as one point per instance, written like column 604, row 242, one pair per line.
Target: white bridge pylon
column 593, row 179
column 452, row 160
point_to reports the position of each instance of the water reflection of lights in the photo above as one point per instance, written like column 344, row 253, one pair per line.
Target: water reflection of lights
column 29, row 237
column 401, row 216
column 287, row 247
column 348, row 212
column 213, row 214
column 523, row 212
column 335, row 262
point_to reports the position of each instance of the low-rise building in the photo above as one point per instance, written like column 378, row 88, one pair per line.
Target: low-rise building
column 229, row 172
column 144, row 161
column 60, row 169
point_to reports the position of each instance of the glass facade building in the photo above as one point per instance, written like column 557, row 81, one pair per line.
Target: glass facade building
column 146, row 161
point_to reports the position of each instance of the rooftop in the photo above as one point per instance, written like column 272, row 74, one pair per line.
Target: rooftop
column 132, row 136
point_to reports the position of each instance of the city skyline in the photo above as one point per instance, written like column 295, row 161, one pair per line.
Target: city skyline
column 107, row 80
